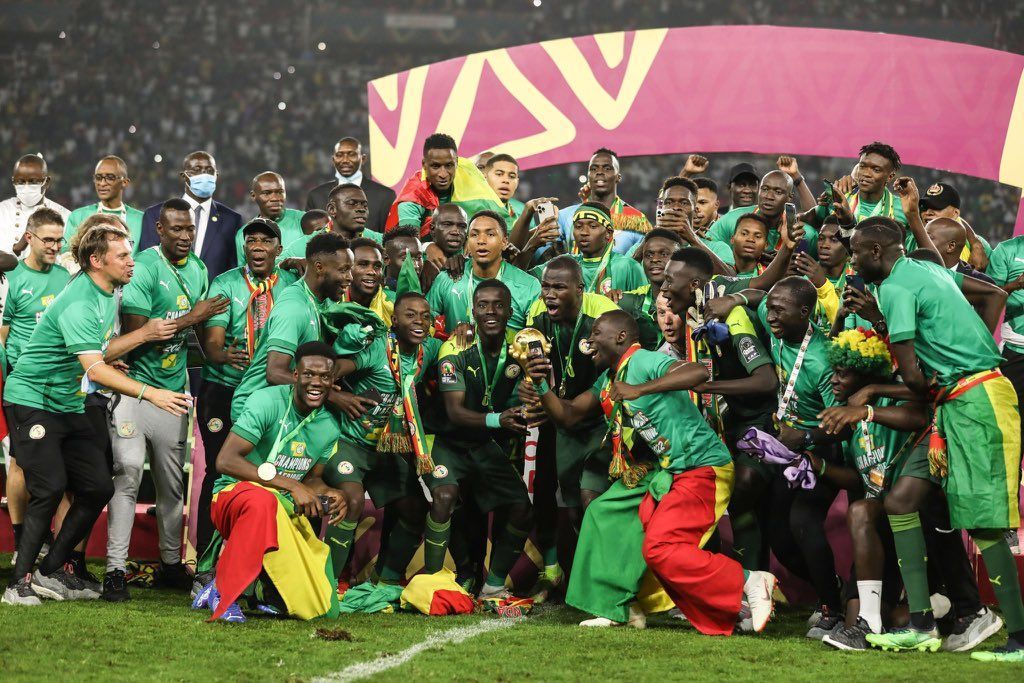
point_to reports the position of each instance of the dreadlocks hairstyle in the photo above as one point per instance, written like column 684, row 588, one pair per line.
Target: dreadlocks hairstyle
column 861, row 350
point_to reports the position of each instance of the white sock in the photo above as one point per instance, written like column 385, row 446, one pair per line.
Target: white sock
column 870, row 594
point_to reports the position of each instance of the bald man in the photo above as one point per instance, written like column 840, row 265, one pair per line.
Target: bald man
column 949, row 237
column 216, row 224
column 110, row 180
column 31, row 180
column 268, row 191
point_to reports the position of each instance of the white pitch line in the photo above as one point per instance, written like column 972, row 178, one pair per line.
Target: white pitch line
column 452, row 636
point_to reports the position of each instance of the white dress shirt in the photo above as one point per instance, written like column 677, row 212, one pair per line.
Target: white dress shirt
column 13, row 217
column 204, row 220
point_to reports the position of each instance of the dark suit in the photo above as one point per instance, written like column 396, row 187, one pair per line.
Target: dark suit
column 380, row 197
column 218, row 245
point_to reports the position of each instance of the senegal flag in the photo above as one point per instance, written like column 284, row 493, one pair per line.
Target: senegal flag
column 470, row 191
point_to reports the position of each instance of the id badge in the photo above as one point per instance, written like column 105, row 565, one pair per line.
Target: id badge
column 876, row 481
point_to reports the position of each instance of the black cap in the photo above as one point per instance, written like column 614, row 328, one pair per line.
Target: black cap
column 743, row 169
column 264, row 225
column 939, row 196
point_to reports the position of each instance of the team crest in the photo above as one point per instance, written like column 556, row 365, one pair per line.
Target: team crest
column 345, row 467
column 215, row 425
column 585, row 347
column 182, row 302
column 512, row 371
column 46, row 300
column 298, row 449
column 934, row 190
column 126, row 429
column 447, row 372
column 37, row 432
column 440, row 472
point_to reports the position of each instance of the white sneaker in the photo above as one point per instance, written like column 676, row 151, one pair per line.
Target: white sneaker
column 600, row 622
column 499, row 592
column 637, row 619
column 970, row 631
column 758, row 590
column 21, row 593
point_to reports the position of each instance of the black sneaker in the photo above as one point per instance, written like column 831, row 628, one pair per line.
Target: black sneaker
column 79, row 568
column 115, row 588
column 851, row 638
column 172, row 576
column 827, row 622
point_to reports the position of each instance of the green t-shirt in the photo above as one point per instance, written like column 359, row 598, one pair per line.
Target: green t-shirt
column 666, row 425
column 514, row 208
column 639, row 303
column 622, row 273
column 888, row 206
column 233, row 285
column 296, row 248
column 373, row 374
column 159, row 289
column 812, row 392
column 453, row 298
column 80, row 320
column 291, row 230
column 464, row 371
column 305, row 440
column 887, row 445
column 1005, row 265
column 29, row 292
column 130, row 215
column 923, row 304
column 724, row 228
column 294, row 320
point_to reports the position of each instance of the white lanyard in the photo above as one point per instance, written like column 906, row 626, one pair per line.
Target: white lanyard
column 121, row 213
column 787, row 395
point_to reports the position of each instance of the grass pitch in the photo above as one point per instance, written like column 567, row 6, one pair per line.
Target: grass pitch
column 155, row 637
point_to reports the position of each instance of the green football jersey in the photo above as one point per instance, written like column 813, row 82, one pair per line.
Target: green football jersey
column 234, row 285
column 49, row 375
column 130, row 215
column 296, row 248
column 160, row 289
column 724, row 228
column 29, row 292
column 889, row 448
column 1005, row 265
column 494, row 377
column 271, row 419
column 454, row 298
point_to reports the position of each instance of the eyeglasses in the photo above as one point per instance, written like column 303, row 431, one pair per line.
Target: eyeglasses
column 49, row 241
column 109, row 177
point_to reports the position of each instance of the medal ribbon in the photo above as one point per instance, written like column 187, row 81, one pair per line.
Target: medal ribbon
column 567, row 369
column 261, row 300
column 602, row 268
column 613, row 412
column 490, row 380
column 404, row 430
column 787, row 395
column 280, row 439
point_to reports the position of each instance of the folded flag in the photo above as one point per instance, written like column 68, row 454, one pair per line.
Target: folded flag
column 436, row 595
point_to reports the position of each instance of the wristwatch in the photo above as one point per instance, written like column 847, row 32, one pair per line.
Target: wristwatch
column 267, row 471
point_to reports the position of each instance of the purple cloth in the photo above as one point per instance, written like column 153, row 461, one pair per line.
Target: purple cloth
column 766, row 448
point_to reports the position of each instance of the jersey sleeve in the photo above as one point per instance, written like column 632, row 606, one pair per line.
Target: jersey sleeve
column 536, row 308
column 137, row 296
column 438, row 293
column 410, row 212
column 256, row 418
column 631, row 275
column 999, row 264
column 451, row 369
column 598, row 384
column 79, row 326
column 529, row 292
column 650, row 365
column 11, row 303
column 220, row 287
column 899, row 308
column 283, row 327
column 748, row 346
column 722, row 229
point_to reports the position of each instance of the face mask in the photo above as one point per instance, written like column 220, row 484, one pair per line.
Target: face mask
column 203, row 185
column 29, row 194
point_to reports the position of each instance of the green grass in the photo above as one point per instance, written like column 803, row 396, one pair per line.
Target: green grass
column 155, row 637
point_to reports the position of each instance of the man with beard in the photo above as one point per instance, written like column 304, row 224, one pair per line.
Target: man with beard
column 775, row 191
column 347, row 208
column 678, row 477
column 268, row 192
column 169, row 282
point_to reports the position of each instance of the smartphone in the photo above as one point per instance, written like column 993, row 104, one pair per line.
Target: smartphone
column 790, row 214
column 801, row 247
column 855, row 282
column 325, row 505
column 535, row 349
column 830, row 189
column 544, row 211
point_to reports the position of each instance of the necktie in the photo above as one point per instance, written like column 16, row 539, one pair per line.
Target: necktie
column 199, row 212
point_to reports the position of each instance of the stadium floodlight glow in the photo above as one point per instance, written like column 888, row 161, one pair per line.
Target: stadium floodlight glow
column 291, row 69
column 277, row 75
column 321, row 46
column 536, row 3
column 132, row 129
column 62, row 35
column 156, row 44
column 282, row 105
column 157, row 158
column 583, row 178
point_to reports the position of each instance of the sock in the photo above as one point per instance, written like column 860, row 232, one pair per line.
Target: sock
column 17, row 534
column 913, row 560
column 402, row 546
column 746, row 540
column 550, row 556
column 435, row 544
column 1002, row 574
column 339, row 539
column 504, row 553
column 77, row 561
column 870, row 594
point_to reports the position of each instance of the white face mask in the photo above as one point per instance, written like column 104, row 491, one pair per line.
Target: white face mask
column 30, row 195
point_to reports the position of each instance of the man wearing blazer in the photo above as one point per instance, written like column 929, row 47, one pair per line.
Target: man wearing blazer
column 216, row 224
column 348, row 162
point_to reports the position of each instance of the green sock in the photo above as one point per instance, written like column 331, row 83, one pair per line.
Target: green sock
column 1002, row 573
column 435, row 544
column 402, row 545
column 913, row 559
column 504, row 553
column 746, row 540
column 550, row 556
column 339, row 539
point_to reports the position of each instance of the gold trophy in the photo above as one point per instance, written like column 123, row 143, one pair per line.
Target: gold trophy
column 527, row 343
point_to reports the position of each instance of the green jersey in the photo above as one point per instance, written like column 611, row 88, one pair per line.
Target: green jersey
column 237, row 285
column 812, row 390
column 601, row 277
column 889, row 447
column 1005, row 265
column 294, row 320
column 129, row 214
column 80, row 320
column 738, row 358
column 639, row 303
column 724, row 228
column 514, row 209
column 453, row 299
column 666, row 427
column 291, row 230
column 373, row 377
column 489, row 383
column 29, row 292
column 923, row 304
column 160, row 289
column 294, row 443
column 296, row 248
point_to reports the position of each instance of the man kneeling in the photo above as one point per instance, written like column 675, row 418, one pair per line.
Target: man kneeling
column 271, row 467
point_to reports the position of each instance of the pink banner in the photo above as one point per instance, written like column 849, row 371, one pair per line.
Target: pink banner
column 760, row 89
